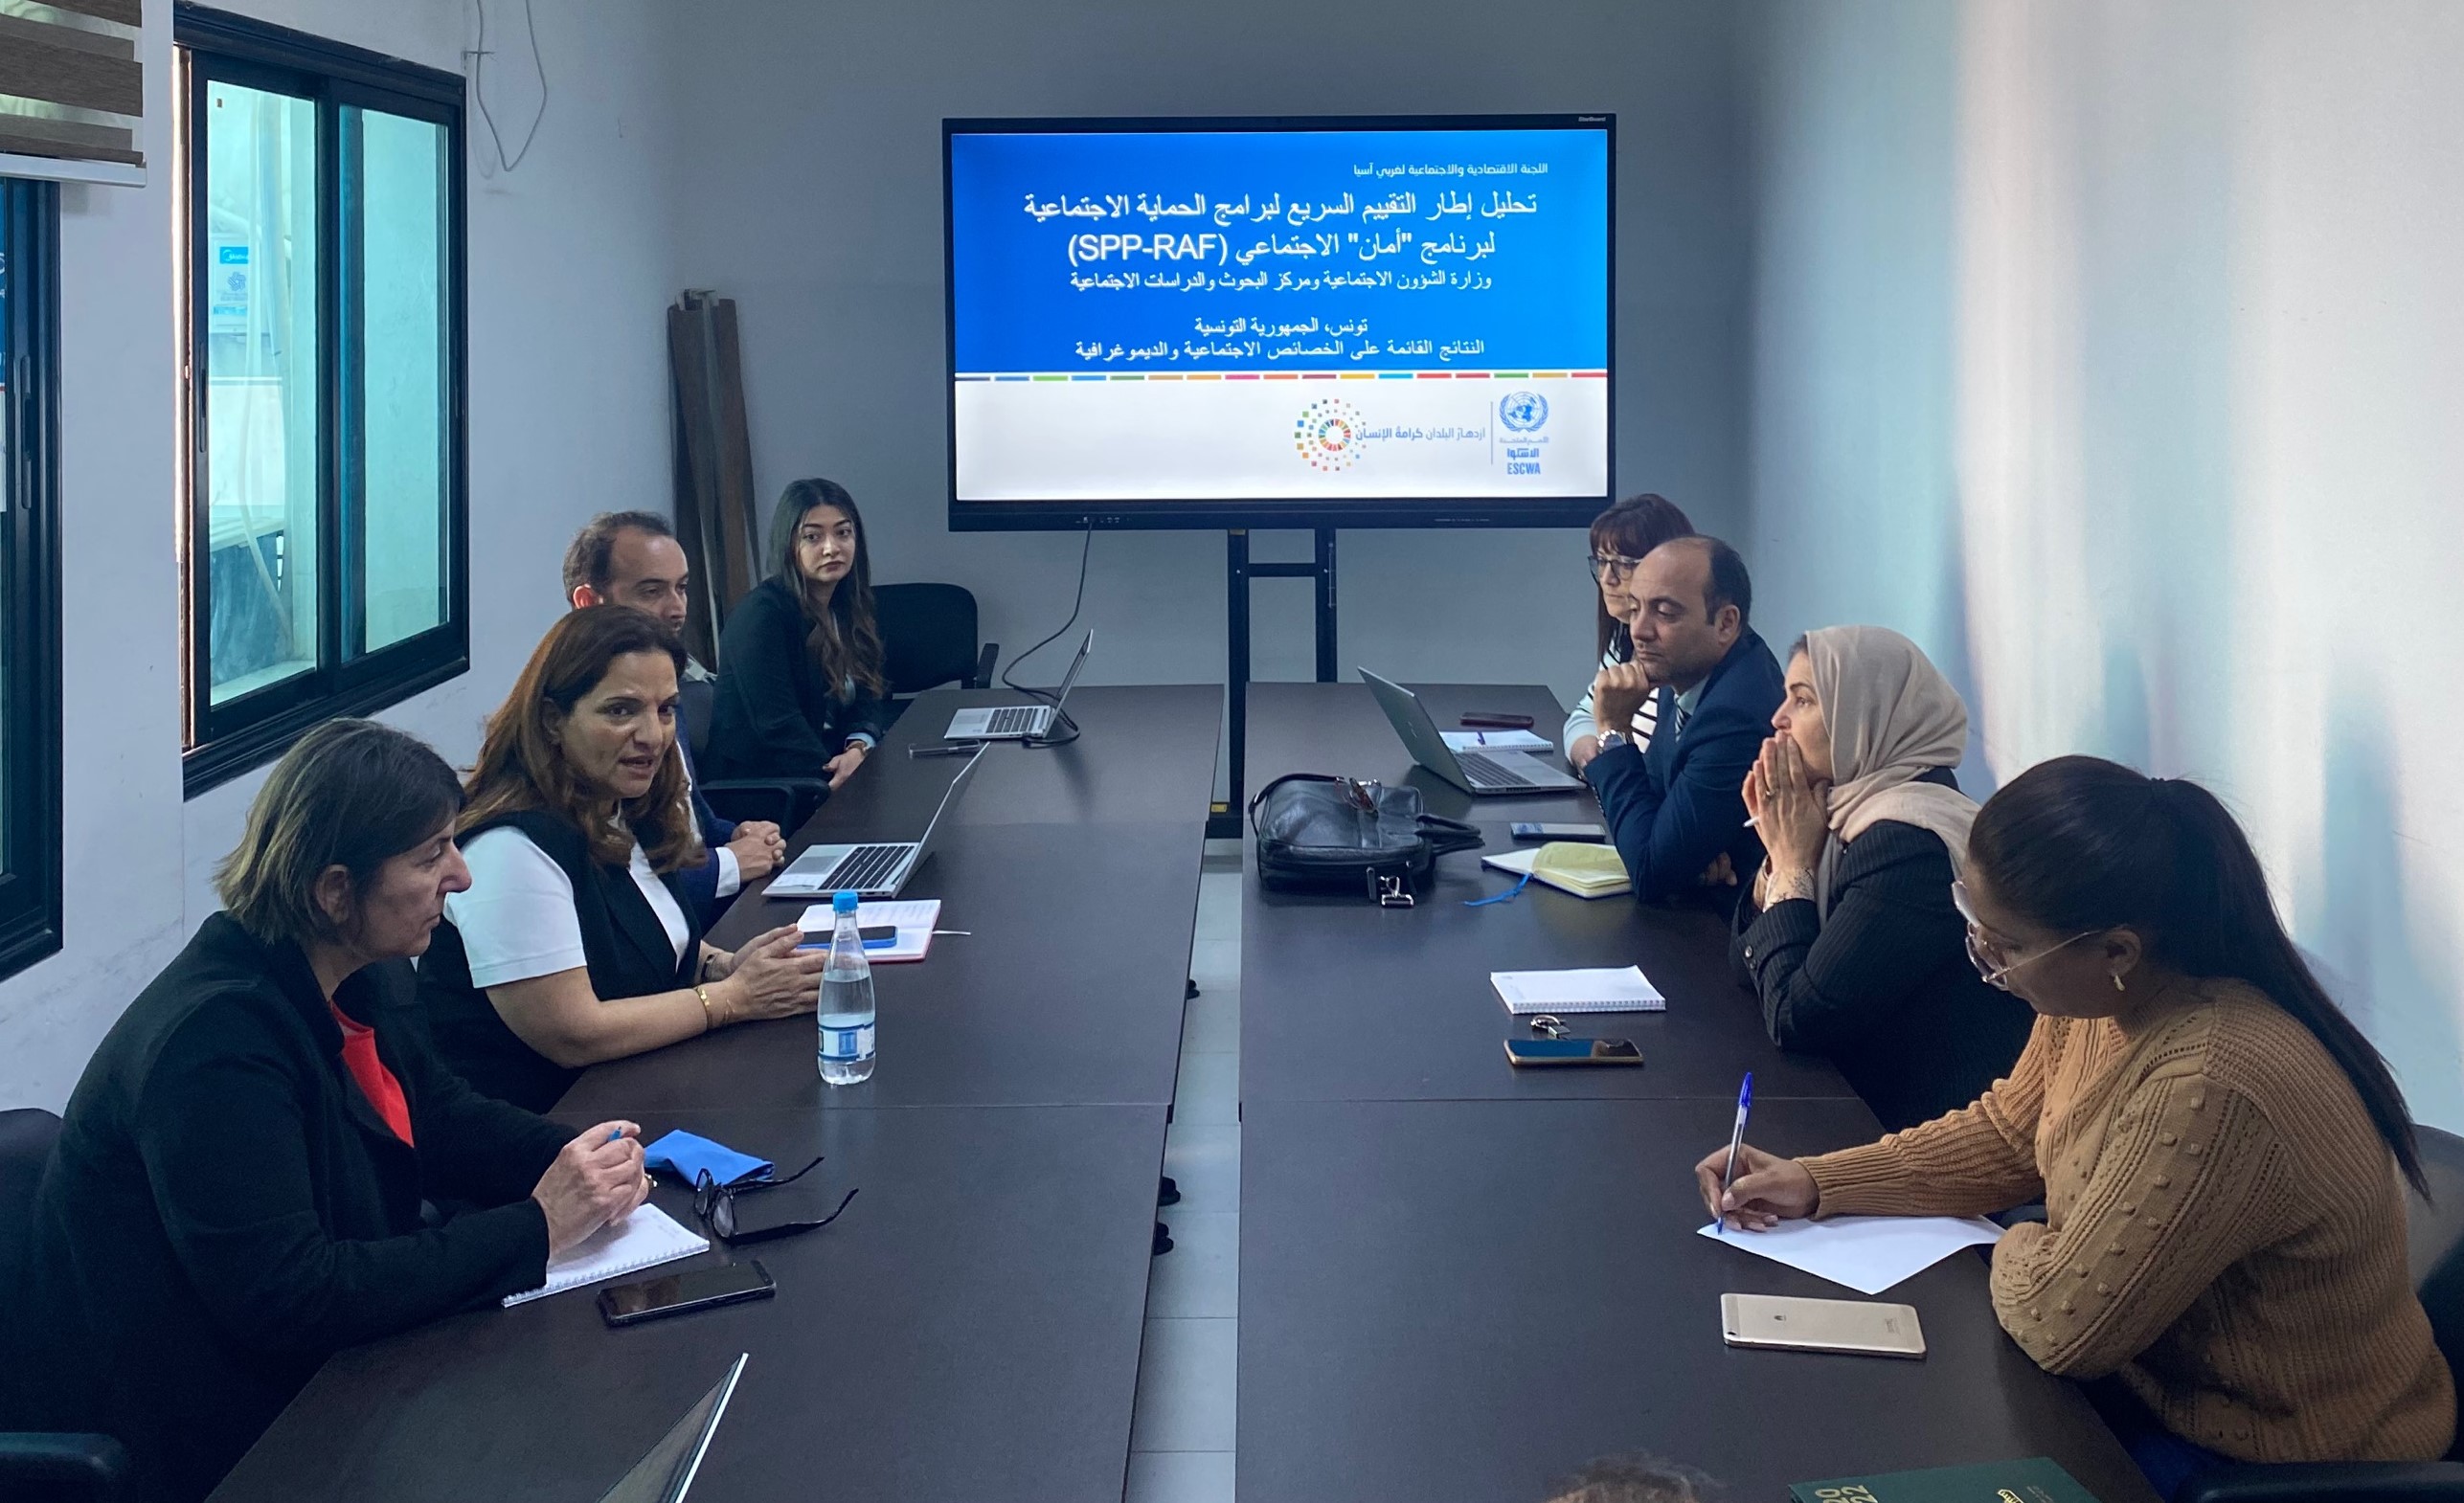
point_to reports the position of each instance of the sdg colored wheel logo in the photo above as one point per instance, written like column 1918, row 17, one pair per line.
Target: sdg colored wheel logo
column 1328, row 434
column 1523, row 412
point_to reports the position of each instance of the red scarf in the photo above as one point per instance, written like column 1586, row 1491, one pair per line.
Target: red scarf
column 377, row 1083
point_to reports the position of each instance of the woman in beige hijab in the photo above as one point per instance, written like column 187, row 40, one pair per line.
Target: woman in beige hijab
column 1848, row 934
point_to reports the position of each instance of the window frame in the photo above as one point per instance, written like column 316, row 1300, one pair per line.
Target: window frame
column 31, row 888
column 222, row 742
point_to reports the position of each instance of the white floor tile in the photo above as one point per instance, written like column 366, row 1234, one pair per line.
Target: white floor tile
column 1214, row 964
column 1210, row 1020
column 1204, row 1161
column 1200, row 1277
column 1219, row 905
column 1209, row 1090
column 1179, row 1476
column 1186, row 1375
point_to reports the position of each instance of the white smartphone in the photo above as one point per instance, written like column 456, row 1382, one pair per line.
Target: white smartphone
column 1866, row 1328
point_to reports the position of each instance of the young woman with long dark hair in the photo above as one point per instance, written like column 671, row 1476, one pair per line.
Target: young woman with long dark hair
column 2221, row 1153
column 801, row 687
column 1621, row 536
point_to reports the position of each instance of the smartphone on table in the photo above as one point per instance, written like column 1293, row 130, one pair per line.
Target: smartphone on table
column 1864, row 1327
column 1495, row 720
column 681, row 1294
column 1534, row 830
column 1526, row 1052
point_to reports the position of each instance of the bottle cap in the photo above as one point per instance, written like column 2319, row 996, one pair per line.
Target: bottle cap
column 842, row 902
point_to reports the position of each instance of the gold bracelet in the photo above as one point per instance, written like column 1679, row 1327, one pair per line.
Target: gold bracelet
column 708, row 1021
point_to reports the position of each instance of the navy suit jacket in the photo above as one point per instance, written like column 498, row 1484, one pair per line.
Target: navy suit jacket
column 1674, row 809
column 701, row 883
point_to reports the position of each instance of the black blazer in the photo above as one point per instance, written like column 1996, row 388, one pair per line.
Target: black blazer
column 623, row 944
column 225, row 1210
column 1672, row 810
column 775, row 716
column 1885, row 987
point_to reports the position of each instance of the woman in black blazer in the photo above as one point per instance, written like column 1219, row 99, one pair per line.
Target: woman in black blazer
column 801, row 687
column 238, row 1189
column 574, row 941
column 1848, row 934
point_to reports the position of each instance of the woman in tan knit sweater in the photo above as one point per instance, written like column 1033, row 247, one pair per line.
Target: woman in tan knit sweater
column 2220, row 1152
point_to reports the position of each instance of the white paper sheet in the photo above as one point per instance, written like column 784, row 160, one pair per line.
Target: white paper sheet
column 1496, row 741
column 1866, row 1253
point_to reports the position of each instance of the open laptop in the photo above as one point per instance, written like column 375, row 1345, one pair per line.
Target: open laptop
column 872, row 871
column 1480, row 773
column 1018, row 722
column 667, row 1473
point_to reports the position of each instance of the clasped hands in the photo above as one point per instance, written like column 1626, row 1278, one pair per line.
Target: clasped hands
column 1792, row 811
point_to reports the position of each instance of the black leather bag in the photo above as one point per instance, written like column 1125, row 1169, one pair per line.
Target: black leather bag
column 1320, row 834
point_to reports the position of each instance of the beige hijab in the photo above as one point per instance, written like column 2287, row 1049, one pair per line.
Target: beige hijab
column 1892, row 718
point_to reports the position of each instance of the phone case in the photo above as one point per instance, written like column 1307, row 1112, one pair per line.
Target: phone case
column 1544, row 1062
column 1864, row 1327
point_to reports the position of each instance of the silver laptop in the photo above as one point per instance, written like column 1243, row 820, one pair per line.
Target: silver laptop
column 1483, row 773
column 1018, row 722
column 667, row 1473
column 872, row 871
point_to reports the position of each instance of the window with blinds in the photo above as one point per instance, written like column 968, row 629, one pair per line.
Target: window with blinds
column 71, row 90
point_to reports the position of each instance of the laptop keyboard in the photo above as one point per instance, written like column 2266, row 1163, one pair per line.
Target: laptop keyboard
column 865, row 867
column 1015, row 720
column 1484, row 769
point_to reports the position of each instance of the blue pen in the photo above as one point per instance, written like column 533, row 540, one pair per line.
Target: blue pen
column 1736, row 1141
column 614, row 1134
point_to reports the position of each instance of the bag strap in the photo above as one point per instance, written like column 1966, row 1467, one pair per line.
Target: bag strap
column 1445, row 836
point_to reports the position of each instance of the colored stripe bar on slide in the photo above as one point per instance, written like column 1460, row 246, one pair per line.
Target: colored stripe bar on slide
column 1287, row 375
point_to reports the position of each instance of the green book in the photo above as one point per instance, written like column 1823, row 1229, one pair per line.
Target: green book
column 2035, row 1480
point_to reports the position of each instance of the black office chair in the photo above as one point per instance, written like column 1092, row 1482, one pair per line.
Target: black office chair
column 41, row 1467
column 928, row 639
column 787, row 802
column 2434, row 1237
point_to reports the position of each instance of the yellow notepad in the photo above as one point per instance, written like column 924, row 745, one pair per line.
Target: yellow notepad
column 1585, row 869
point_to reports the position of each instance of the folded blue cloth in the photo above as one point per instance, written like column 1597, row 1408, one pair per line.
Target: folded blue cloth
column 685, row 1155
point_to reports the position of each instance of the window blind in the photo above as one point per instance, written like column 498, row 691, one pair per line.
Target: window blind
column 72, row 91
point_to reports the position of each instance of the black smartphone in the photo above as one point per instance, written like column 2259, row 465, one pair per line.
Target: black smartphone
column 676, row 1293
column 946, row 749
column 1521, row 1052
column 875, row 936
column 1497, row 719
column 1527, row 830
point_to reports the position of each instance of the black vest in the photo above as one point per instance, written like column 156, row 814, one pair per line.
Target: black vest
column 623, row 944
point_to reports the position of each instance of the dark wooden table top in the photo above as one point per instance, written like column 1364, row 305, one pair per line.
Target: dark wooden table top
column 969, row 1329
column 1066, row 986
column 1144, row 754
column 1343, row 1000
column 1458, row 1300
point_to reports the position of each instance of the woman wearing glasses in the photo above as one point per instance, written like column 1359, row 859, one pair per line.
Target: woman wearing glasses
column 2221, row 1153
column 1848, row 936
column 241, row 1187
column 1619, row 538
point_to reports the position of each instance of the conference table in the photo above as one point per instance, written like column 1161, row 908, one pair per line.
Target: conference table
column 1456, row 1280
column 970, row 1328
column 1459, row 1280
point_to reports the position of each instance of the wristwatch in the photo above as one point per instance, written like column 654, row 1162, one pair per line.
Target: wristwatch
column 1615, row 738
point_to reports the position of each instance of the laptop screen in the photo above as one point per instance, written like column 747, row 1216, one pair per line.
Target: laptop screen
column 1085, row 644
column 667, row 1472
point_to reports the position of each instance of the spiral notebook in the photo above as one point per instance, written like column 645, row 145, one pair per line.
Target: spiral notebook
column 1618, row 989
column 643, row 1240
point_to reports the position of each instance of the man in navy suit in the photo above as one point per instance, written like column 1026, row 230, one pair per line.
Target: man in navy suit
column 633, row 558
column 1676, row 809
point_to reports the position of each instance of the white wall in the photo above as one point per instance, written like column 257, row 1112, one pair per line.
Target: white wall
column 811, row 181
column 2117, row 351
column 571, row 266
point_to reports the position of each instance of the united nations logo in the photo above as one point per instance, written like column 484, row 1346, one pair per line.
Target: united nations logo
column 1328, row 434
column 1523, row 412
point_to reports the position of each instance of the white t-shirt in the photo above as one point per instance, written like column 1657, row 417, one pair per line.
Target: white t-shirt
column 517, row 920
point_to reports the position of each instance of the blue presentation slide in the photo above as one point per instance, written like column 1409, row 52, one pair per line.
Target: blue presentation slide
column 1126, row 305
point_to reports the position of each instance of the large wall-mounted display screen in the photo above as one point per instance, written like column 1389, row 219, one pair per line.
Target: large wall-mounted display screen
column 1353, row 323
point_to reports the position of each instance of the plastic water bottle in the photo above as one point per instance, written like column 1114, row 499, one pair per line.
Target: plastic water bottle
column 846, row 1000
